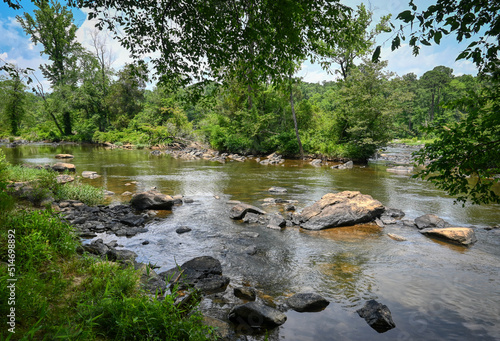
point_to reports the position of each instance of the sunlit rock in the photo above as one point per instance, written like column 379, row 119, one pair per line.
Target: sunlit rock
column 61, row 167
column 340, row 209
column 64, row 156
column 460, row 235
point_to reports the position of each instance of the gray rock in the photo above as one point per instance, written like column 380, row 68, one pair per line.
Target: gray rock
column 121, row 255
column 245, row 293
column 182, row 229
column 251, row 218
column 394, row 213
column 309, row 302
column 132, row 220
column 152, row 200
column 377, row 315
column 203, row 273
column 289, row 207
column 97, row 247
column 341, row 209
column 240, row 210
column 256, row 316
column 430, row 221
column 316, row 162
column 250, row 234
column 347, row 165
column 276, row 221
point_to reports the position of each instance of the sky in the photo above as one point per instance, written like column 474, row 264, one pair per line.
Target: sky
column 16, row 47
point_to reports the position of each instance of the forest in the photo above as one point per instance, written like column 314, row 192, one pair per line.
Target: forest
column 235, row 87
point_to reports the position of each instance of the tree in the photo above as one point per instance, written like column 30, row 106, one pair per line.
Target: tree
column 52, row 26
column 435, row 80
column 365, row 116
column 14, row 106
column 469, row 148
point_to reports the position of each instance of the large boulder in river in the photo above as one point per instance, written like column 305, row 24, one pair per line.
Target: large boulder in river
column 341, row 209
column 152, row 200
column 460, row 235
column 240, row 210
column 430, row 221
column 256, row 315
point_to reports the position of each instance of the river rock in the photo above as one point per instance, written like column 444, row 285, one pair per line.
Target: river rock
column 61, row 167
column 430, row 221
column 132, row 220
column 340, row 209
column 238, row 211
column 182, row 229
column 222, row 329
column 307, row 302
column 152, row 200
column 278, row 190
column 150, row 280
column 90, row 174
column 276, row 222
column 203, row 273
column 256, row 315
column 460, row 235
column 245, row 293
column 347, row 165
column 316, row 162
column 377, row 315
column 121, row 255
column 64, row 156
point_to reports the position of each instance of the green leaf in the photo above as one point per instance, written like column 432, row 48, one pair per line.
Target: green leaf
column 406, row 16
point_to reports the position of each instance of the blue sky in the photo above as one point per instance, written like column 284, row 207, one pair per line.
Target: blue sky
column 16, row 47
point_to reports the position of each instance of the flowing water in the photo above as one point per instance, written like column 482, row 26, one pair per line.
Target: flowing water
column 435, row 290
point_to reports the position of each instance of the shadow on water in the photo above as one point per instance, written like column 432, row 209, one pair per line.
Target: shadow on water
column 435, row 290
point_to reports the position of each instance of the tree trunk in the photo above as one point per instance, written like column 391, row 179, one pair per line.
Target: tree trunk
column 295, row 120
column 432, row 108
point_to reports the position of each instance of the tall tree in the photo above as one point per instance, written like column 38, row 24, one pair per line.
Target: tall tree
column 52, row 26
column 435, row 81
column 14, row 96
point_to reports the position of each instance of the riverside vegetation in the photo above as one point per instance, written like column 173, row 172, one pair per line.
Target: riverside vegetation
column 62, row 294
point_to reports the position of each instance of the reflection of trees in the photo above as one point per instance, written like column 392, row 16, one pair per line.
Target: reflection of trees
column 344, row 276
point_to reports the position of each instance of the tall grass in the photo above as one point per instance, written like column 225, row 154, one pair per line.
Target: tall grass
column 85, row 193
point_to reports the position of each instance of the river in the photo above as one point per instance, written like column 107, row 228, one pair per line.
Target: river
column 435, row 290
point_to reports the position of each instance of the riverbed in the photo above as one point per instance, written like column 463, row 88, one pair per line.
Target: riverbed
column 435, row 290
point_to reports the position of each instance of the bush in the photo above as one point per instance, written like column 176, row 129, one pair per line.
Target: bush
column 85, row 193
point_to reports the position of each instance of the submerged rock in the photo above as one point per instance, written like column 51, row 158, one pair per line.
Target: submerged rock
column 152, row 200
column 400, row 170
column 396, row 237
column 347, row 165
column 256, row 316
column 182, row 229
column 307, row 302
column 340, row 209
column 460, row 235
column 278, row 190
column 377, row 315
column 245, row 293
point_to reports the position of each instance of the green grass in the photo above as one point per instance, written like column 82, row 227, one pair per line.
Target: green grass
column 85, row 193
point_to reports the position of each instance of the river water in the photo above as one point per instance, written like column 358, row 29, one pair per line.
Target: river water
column 435, row 290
